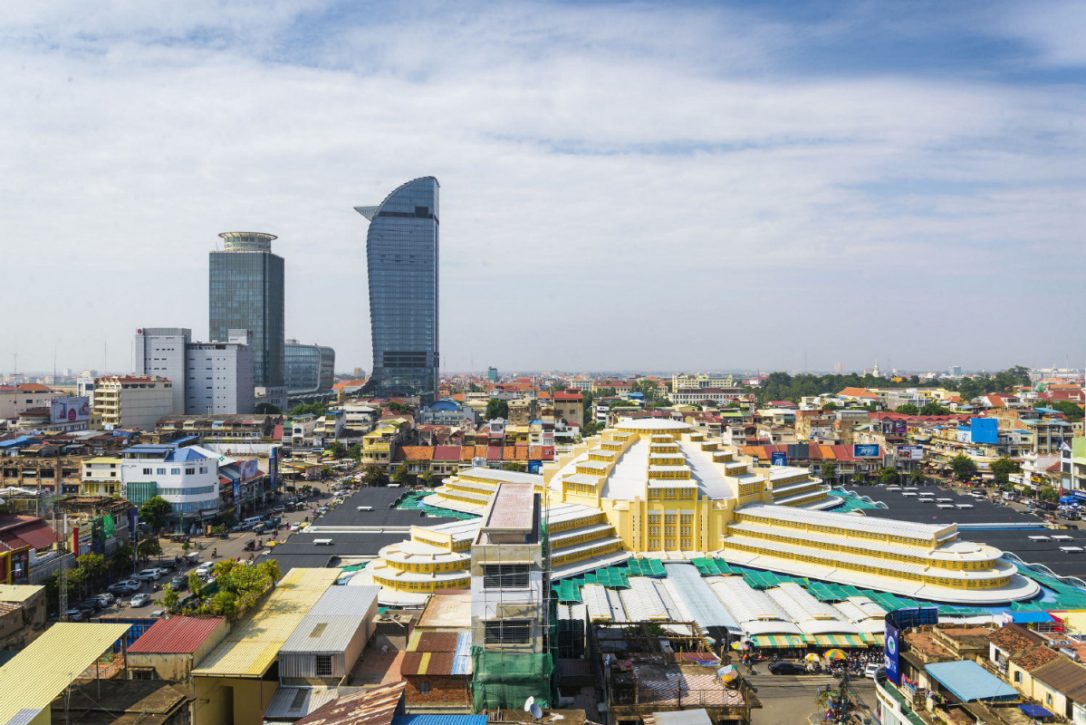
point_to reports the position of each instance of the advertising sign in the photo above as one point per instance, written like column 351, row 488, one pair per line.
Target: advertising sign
column 865, row 450
column 899, row 427
column 248, row 469
column 984, row 430
column 910, row 453
column 535, row 466
column 890, row 654
column 780, row 458
column 72, row 409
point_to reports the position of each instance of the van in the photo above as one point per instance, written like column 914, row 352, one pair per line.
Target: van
column 251, row 521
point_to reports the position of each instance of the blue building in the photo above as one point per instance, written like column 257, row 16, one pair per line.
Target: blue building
column 402, row 260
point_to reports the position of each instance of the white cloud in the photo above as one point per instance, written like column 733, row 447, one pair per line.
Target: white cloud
column 642, row 167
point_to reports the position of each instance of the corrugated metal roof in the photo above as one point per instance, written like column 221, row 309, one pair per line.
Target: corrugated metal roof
column 324, row 633
column 176, row 635
column 252, row 646
column 18, row 592
column 346, row 600
column 439, row 720
column 369, row 707
column 290, row 703
column 42, row 670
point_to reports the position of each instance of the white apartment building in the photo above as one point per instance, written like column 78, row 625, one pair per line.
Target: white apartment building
column 185, row 477
column 131, row 401
column 17, row 399
column 207, row 377
column 160, row 351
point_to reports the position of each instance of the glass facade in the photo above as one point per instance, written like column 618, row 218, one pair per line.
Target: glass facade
column 246, row 293
column 309, row 368
column 402, row 259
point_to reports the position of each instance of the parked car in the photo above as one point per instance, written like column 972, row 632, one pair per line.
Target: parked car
column 89, row 606
column 158, row 612
column 204, row 570
column 126, row 586
column 149, row 575
column 295, row 527
column 872, row 670
column 74, row 615
column 140, row 600
column 179, row 583
column 105, row 598
column 786, row 668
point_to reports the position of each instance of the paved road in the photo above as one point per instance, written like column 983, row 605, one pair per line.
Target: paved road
column 792, row 699
column 231, row 547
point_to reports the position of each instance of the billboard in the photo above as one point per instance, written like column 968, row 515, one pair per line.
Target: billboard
column 891, row 658
column 780, row 458
column 71, row 409
column 910, row 453
column 865, row 450
column 984, row 430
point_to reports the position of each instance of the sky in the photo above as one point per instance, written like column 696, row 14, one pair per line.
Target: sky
column 634, row 186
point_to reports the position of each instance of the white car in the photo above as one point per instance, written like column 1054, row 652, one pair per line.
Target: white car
column 872, row 670
column 150, row 575
column 140, row 600
column 204, row 570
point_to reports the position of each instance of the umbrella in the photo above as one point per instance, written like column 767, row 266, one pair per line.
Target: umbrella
column 836, row 654
column 812, row 657
column 728, row 673
column 740, row 645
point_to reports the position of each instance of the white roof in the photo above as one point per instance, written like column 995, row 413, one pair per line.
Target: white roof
column 755, row 612
column 645, row 425
column 502, row 476
column 846, row 521
column 812, row 616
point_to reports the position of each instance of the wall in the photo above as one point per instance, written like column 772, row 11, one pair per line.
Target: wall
column 231, row 700
column 446, row 693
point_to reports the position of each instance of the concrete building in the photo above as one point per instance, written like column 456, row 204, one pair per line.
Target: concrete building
column 684, row 381
column 101, row 476
column 186, row 478
column 508, row 573
column 219, row 376
column 131, row 401
column 17, row 399
column 160, row 351
column 171, row 647
column 22, row 614
column 326, row 645
column 246, row 292
column 207, row 377
column 569, row 406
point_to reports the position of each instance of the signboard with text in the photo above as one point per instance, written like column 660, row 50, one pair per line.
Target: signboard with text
column 891, row 658
column 865, row 450
column 780, row 458
column 910, row 453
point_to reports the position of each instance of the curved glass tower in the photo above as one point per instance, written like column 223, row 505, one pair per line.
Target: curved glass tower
column 402, row 260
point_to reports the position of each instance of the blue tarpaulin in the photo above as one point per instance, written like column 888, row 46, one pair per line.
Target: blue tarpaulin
column 1030, row 617
column 969, row 682
column 1035, row 711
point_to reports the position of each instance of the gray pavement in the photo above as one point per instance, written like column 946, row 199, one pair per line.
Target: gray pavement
column 793, row 699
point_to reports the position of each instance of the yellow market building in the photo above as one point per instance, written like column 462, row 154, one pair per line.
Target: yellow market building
column 660, row 489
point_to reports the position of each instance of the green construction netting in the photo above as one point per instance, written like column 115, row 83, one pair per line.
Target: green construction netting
column 567, row 592
column 413, row 502
column 1068, row 596
column 707, row 566
column 505, row 680
column 354, row 567
column 767, row 579
column 646, row 567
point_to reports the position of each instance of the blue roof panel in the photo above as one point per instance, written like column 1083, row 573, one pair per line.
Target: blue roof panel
column 439, row 720
column 969, row 682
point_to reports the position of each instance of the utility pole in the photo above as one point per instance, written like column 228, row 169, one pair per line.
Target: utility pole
column 62, row 594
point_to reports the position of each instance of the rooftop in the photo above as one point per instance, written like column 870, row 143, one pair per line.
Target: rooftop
column 176, row 634
column 968, row 681
column 252, row 646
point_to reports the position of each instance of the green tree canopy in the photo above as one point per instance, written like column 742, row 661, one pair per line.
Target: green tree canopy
column 908, row 409
column 497, row 408
column 374, row 476
column 963, row 466
column 933, row 408
column 309, row 409
column 1003, row 468
column 155, row 511
column 1072, row 410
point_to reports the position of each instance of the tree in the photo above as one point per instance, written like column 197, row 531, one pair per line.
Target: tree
column 374, row 476
column 155, row 511
column 590, row 428
column 93, row 567
column 149, row 547
column 828, row 471
column 121, row 561
column 426, row 478
column 963, row 466
column 830, row 406
column 338, row 450
column 399, row 477
column 317, row 409
column 266, row 409
column 1047, row 493
column 907, row 409
column 355, row 451
column 170, row 599
column 1003, row 468
column 933, row 408
column 888, row 476
column 196, row 586
column 1072, row 410
column 497, row 408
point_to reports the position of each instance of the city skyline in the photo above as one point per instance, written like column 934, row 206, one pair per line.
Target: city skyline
column 795, row 187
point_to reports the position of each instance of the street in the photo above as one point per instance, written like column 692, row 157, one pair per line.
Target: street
column 793, row 699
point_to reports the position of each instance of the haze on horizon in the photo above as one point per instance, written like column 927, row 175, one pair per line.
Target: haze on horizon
column 635, row 186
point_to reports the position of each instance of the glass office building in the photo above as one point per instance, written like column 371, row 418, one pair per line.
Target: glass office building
column 309, row 368
column 246, row 293
column 402, row 259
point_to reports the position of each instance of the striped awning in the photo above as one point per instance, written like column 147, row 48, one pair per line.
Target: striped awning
column 767, row 641
column 872, row 638
column 838, row 640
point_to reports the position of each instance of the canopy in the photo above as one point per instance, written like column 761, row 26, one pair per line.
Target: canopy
column 969, row 682
column 1035, row 711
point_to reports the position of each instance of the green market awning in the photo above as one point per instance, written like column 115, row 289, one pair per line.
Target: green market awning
column 776, row 641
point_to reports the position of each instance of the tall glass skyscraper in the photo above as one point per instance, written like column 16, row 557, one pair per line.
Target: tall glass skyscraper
column 402, row 259
column 246, row 293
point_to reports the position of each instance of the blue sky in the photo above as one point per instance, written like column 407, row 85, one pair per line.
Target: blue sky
column 636, row 185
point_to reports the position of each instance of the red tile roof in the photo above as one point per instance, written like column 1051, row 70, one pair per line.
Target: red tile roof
column 176, row 635
column 493, row 453
column 417, row 453
column 572, row 396
column 446, row 453
column 857, row 393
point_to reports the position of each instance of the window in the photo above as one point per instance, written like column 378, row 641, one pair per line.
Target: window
column 147, row 472
column 510, row 631
column 1048, row 698
column 323, row 665
column 1017, row 678
column 160, row 471
column 190, row 471
column 175, row 471
column 505, row 576
column 424, row 688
